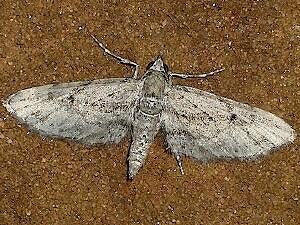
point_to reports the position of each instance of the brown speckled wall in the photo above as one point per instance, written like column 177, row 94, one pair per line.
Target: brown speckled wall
column 44, row 181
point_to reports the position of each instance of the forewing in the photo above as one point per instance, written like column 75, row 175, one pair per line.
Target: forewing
column 205, row 126
column 90, row 112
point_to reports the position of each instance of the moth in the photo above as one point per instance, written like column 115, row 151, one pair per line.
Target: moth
column 196, row 123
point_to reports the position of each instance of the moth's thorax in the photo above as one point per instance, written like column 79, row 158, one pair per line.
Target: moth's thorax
column 153, row 92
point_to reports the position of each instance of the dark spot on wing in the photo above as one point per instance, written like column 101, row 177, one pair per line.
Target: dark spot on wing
column 206, row 114
column 252, row 118
column 233, row 117
column 86, row 83
column 184, row 88
column 125, row 80
column 184, row 116
column 95, row 104
column 50, row 96
column 71, row 99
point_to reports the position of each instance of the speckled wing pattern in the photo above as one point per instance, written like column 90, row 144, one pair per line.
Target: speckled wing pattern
column 90, row 112
column 205, row 126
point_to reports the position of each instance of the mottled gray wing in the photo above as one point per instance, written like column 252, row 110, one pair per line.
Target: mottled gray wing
column 205, row 126
column 90, row 112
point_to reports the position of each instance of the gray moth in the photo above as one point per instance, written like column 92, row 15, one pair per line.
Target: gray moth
column 196, row 123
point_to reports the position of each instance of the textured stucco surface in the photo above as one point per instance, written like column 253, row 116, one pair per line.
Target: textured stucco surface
column 45, row 181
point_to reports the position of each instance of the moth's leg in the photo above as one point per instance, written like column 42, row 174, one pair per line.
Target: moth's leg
column 182, row 75
column 120, row 59
column 179, row 163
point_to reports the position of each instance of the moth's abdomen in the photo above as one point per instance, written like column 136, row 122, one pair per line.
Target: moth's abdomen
column 144, row 130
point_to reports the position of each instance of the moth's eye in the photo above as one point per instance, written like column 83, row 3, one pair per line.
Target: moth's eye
column 166, row 68
column 149, row 65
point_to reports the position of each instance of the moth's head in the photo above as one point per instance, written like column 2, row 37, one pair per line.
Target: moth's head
column 158, row 65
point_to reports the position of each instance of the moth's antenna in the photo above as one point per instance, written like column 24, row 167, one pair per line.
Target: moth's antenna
column 182, row 75
column 118, row 58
